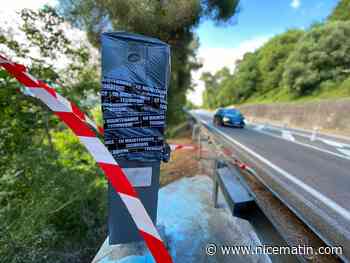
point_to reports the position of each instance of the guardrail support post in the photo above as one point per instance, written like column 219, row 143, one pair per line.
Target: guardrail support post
column 195, row 130
column 216, row 185
column 199, row 145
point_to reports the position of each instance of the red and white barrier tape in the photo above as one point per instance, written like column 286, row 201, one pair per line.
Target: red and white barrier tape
column 99, row 129
column 240, row 165
column 73, row 107
column 78, row 122
column 175, row 147
column 243, row 166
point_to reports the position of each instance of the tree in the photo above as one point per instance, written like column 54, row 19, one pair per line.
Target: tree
column 226, row 93
column 341, row 12
column 247, row 76
column 224, row 88
column 170, row 21
column 210, row 92
column 272, row 58
column 52, row 205
column 256, row 73
column 322, row 55
column 299, row 62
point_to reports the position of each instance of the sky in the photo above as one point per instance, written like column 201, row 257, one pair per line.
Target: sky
column 20, row 4
column 11, row 22
column 256, row 22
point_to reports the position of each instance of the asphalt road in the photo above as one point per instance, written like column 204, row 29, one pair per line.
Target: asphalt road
column 321, row 163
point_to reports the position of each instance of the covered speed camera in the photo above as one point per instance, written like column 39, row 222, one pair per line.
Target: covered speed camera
column 135, row 77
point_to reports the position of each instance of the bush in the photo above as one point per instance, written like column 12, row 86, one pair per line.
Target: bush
column 52, row 205
column 321, row 55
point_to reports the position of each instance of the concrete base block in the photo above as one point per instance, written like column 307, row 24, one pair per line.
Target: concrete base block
column 134, row 252
column 188, row 223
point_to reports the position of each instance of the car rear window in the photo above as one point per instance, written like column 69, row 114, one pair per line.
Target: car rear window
column 231, row 112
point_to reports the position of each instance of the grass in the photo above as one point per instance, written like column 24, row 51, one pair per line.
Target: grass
column 176, row 130
column 283, row 95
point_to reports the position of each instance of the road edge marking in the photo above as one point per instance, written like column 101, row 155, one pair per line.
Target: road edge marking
column 327, row 201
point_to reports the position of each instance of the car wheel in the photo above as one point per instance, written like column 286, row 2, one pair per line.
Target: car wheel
column 217, row 121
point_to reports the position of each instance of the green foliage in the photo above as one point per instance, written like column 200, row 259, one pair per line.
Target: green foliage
column 256, row 73
column 290, row 66
column 273, row 56
column 222, row 10
column 321, row 55
column 52, row 204
column 247, row 78
column 170, row 21
column 341, row 12
column 213, row 82
column 345, row 85
column 190, row 105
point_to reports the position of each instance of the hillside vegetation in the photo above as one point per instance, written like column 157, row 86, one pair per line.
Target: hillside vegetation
column 294, row 66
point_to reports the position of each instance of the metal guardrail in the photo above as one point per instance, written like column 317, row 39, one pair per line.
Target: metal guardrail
column 330, row 223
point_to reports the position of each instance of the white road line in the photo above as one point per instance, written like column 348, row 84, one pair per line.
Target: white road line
column 325, row 200
column 344, row 151
column 309, row 146
column 258, row 127
column 332, row 143
column 288, row 135
column 308, row 133
column 343, row 155
column 313, row 137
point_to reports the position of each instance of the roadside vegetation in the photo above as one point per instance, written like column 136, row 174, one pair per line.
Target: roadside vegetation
column 52, row 195
column 297, row 65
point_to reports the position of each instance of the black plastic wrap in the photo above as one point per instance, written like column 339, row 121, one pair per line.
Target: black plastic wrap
column 135, row 77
